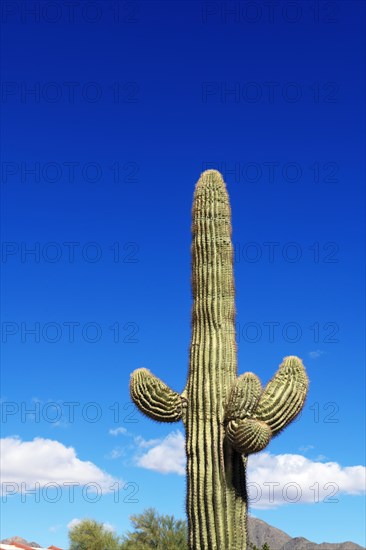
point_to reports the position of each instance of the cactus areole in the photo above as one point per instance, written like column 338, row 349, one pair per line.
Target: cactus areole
column 226, row 417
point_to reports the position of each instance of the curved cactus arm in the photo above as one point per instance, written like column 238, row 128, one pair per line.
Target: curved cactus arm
column 154, row 398
column 248, row 436
column 284, row 396
column 244, row 396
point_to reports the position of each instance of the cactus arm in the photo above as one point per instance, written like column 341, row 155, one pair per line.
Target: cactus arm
column 246, row 434
column 254, row 416
column 249, row 435
column 154, row 398
column 244, row 396
column 284, row 396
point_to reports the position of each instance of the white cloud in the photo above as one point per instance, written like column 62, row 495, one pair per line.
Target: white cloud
column 143, row 443
column 305, row 448
column 118, row 431
column 41, row 461
column 273, row 480
column 167, row 456
column 316, row 354
column 116, row 453
column 320, row 458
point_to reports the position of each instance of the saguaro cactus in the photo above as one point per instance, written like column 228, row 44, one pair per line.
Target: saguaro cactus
column 226, row 417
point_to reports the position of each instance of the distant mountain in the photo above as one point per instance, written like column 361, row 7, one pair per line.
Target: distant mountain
column 299, row 543
column 260, row 532
column 11, row 540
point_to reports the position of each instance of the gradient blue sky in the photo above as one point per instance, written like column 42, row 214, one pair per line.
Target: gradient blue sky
column 131, row 101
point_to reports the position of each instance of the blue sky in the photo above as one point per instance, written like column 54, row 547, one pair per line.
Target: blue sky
column 111, row 110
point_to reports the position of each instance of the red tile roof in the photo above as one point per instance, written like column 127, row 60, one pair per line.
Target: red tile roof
column 21, row 545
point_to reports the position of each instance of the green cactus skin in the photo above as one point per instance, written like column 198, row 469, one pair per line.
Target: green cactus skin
column 226, row 417
column 155, row 398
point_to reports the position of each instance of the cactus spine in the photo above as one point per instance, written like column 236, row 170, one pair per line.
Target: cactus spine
column 226, row 417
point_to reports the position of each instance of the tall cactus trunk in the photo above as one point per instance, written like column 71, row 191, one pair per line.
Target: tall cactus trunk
column 216, row 503
column 226, row 417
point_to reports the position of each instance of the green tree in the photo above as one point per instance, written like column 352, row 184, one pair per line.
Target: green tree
column 91, row 535
column 154, row 531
